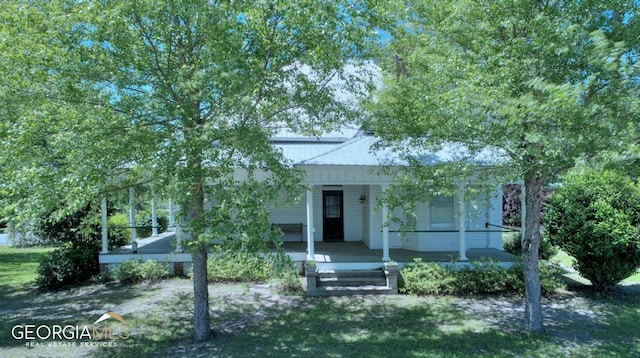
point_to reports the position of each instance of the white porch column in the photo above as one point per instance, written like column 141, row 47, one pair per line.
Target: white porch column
column 523, row 210
column 178, row 228
column 462, row 223
column 105, row 232
column 132, row 213
column 385, row 229
column 172, row 220
column 179, row 238
column 154, row 214
column 310, row 229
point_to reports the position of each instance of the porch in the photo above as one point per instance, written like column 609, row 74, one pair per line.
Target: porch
column 356, row 255
column 352, row 255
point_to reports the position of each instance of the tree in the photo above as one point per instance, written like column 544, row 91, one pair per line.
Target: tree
column 595, row 217
column 99, row 95
column 538, row 84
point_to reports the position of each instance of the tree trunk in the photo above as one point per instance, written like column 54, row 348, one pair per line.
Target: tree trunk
column 530, row 255
column 201, row 321
column 196, row 219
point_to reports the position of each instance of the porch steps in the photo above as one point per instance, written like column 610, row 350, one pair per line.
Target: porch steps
column 351, row 282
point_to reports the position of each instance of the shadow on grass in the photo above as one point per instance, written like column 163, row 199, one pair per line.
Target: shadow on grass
column 250, row 321
column 377, row 327
column 80, row 305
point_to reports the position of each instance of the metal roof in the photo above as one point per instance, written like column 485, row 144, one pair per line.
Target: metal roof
column 361, row 150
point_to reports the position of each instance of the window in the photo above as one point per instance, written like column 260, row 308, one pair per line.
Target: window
column 332, row 207
column 442, row 212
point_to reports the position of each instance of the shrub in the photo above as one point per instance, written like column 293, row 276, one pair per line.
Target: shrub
column 480, row 277
column 119, row 231
column 144, row 226
column 426, row 278
column 290, row 282
column 229, row 265
column 83, row 228
column 550, row 277
column 512, row 244
column 132, row 271
column 66, row 265
column 595, row 217
column 79, row 235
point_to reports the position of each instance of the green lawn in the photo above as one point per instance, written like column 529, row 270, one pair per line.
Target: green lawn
column 18, row 265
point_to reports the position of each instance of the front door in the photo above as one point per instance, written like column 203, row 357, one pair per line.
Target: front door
column 332, row 218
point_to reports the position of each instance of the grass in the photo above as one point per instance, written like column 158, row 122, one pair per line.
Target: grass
column 18, row 265
column 253, row 321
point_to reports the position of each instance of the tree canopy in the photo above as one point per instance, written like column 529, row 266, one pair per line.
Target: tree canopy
column 541, row 84
column 96, row 95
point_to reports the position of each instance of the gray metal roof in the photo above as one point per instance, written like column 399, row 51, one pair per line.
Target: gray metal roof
column 361, row 150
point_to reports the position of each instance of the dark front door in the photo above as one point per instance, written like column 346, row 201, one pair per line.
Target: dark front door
column 332, row 218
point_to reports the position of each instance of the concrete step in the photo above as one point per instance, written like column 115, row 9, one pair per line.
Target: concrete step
column 352, row 281
column 350, row 273
column 350, row 291
column 351, row 278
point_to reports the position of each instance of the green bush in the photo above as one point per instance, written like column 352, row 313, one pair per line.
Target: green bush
column 228, row 265
column 595, row 217
column 426, row 278
column 480, row 277
column 248, row 258
column 66, row 265
column 79, row 237
column 290, row 282
column 144, row 226
column 550, row 277
column 132, row 271
column 512, row 244
column 119, row 231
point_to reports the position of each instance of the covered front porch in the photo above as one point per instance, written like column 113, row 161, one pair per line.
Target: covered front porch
column 356, row 255
column 328, row 255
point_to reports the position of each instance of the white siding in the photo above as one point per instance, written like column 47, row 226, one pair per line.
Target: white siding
column 352, row 212
column 366, row 217
column 362, row 222
column 295, row 213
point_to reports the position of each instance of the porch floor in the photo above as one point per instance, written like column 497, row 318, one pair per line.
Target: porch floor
column 356, row 251
column 334, row 252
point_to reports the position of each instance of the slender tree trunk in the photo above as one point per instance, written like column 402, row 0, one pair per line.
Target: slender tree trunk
column 201, row 320
column 530, row 254
column 196, row 219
